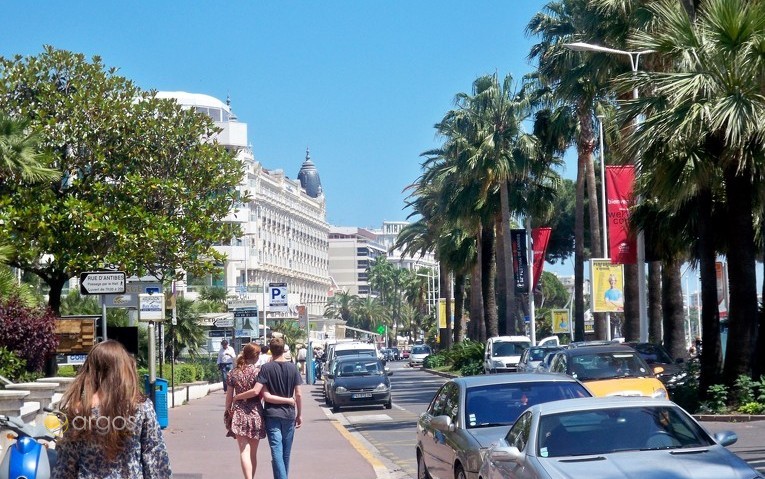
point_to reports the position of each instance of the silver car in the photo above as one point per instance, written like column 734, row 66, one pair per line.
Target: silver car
column 470, row 413
column 600, row 438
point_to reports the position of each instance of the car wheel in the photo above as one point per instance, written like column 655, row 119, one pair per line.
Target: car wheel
column 459, row 473
column 388, row 405
column 328, row 401
column 335, row 408
column 422, row 471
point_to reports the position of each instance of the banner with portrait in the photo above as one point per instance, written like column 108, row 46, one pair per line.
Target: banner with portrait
column 607, row 286
column 561, row 323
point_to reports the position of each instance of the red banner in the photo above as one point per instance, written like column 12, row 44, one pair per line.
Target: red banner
column 622, row 244
column 539, row 238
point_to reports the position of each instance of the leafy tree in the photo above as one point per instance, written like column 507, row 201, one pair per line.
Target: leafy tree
column 188, row 335
column 143, row 187
column 28, row 332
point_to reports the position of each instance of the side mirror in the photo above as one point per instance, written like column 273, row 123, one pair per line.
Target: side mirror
column 507, row 454
column 442, row 423
column 725, row 438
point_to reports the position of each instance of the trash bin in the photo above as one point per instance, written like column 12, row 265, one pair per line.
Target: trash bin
column 159, row 397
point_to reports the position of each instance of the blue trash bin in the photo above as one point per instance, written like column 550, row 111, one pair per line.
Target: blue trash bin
column 160, row 399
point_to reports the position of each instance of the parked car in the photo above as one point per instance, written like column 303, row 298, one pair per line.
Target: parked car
column 418, row 354
column 674, row 373
column 396, row 354
column 601, row 438
column 532, row 357
column 469, row 413
column 502, row 353
column 342, row 350
column 610, row 370
column 544, row 364
column 359, row 381
column 405, row 354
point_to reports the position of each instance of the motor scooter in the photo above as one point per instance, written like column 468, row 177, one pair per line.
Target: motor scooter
column 29, row 455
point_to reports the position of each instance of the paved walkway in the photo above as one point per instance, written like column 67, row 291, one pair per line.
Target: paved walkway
column 199, row 448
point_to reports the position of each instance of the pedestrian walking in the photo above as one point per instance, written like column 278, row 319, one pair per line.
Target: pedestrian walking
column 123, row 438
column 244, row 419
column 226, row 356
column 279, row 377
column 301, row 358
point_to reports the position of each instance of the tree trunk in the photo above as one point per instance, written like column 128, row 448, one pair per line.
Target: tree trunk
column 508, row 268
column 56, row 285
column 655, row 285
column 711, row 358
column 488, row 275
column 503, row 282
column 742, row 312
column 477, row 323
column 459, row 304
column 445, row 339
column 672, row 305
column 631, row 303
column 579, row 250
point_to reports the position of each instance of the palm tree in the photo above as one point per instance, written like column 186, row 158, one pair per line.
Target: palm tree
column 187, row 335
column 340, row 306
column 713, row 102
column 369, row 313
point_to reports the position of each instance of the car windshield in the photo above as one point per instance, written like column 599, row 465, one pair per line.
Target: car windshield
column 608, row 365
column 500, row 348
column 538, row 354
column 653, row 353
column 359, row 352
column 359, row 368
column 501, row 404
column 606, row 431
column 421, row 350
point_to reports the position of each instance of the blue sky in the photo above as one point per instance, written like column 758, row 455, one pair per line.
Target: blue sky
column 359, row 83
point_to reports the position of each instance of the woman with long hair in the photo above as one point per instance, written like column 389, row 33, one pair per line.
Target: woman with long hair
column 246, row 417
column 112, row 430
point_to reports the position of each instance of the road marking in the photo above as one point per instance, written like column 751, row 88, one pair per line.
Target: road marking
column 376, row 464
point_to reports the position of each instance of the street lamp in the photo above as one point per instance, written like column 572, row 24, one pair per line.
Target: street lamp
column 642, row 298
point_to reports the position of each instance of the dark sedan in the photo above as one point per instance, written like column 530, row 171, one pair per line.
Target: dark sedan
column 359, row 381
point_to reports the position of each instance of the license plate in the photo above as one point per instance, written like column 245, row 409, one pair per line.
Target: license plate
column 361, row 395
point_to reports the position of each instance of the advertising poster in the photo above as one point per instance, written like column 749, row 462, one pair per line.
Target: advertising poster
column 520, row 260
column 540, row 237
column 622, row 244
column 442, row 312
column 722, row 288
column 560, row 321
column 607, row 286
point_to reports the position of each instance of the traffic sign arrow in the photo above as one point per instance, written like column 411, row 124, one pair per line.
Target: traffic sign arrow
column 102, row 282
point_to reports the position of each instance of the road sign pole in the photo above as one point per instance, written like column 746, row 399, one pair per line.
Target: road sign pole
column 103, row 319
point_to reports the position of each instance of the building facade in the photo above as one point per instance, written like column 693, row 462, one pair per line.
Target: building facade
column 351, row 251
column 283, row 221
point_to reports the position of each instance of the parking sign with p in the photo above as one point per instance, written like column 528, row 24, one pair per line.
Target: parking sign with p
column 277, row 297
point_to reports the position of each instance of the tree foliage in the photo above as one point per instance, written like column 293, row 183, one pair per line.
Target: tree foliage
column 144, row 187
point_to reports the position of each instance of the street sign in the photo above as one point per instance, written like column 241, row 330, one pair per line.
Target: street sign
column 102, row 282
column 224, row 322
column 130, row 297
column 381, row 329
column 241, row 303
column 277, row 297
column 151, row 307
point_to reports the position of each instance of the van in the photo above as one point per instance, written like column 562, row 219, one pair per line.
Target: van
column 502, row 353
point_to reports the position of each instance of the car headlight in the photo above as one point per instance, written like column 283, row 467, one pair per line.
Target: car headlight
column 497, row 364
column 341, row 389
column 659, row 394
column 381, row 388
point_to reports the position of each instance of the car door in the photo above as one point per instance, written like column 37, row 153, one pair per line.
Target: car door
column 444, row 447
column 517, row 436
column 429, row 436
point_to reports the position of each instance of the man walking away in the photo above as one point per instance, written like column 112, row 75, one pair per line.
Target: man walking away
column 226, row 356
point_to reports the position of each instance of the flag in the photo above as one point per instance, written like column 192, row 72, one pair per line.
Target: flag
column 520, row 260
column 622, row 244
column 540, row 237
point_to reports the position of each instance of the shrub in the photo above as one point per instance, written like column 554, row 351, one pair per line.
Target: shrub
column 718, row 402
column 752, row 408
column 472, row 369
column 465, row 354
column 11, row 366
column 434, row 360
column 67, row 371
column 29, row 332
column 744, row 389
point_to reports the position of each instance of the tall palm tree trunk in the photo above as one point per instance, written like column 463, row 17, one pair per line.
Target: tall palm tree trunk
column 655, row 288
column 488, row 274
column 459, row 305
column 579, row 251
column 742, row 274
column 711, row 358
column 507, row 269
column 477, row 323
column 672, row 306
column 503, row 282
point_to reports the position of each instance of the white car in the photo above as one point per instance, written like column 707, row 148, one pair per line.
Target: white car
column 418, row 354
column 502, row 353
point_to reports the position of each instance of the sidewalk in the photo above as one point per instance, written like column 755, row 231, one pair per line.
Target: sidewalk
column 199, row 448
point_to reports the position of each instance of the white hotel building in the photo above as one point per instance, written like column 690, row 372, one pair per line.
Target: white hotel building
column 284, row 226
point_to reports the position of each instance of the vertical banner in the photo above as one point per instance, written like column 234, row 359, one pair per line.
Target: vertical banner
column 622, row 244
column 303, row 317
column 520, row 261
column 721, row 270
column 607, row 286
column 442, row 312
column 560, row 321
column 540, row 237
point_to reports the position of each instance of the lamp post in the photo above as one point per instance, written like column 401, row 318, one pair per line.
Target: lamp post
column 606, row 253
column 634, row 61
